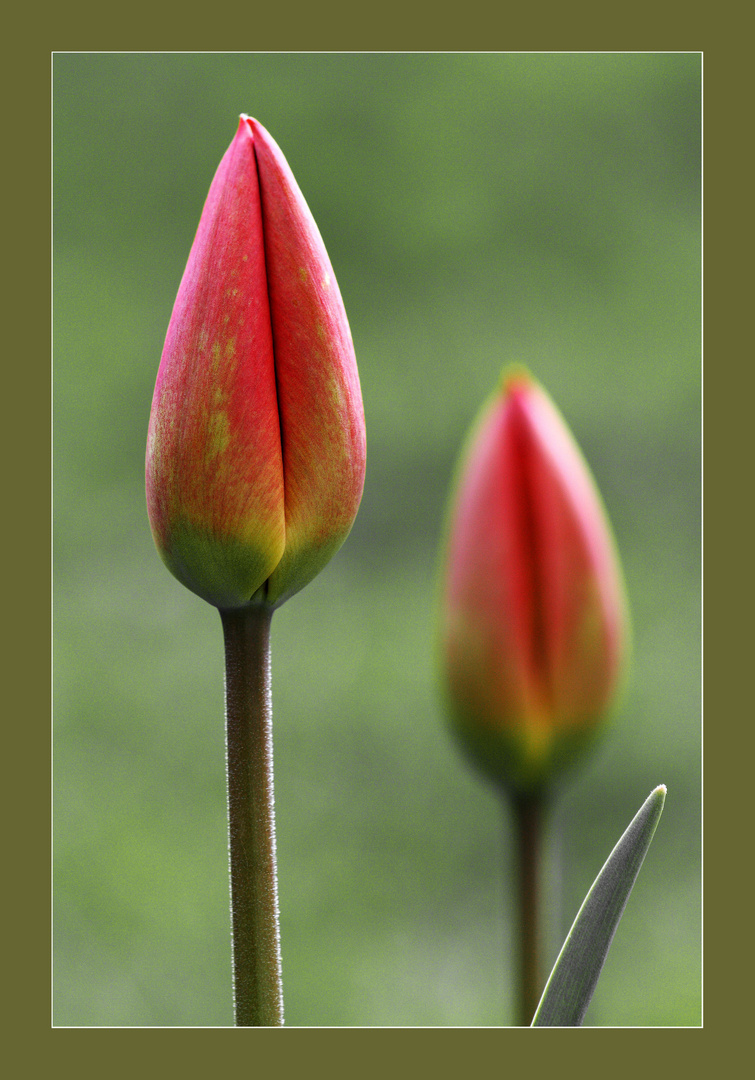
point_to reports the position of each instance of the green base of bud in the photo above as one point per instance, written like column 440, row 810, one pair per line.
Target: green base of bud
column 521, row 763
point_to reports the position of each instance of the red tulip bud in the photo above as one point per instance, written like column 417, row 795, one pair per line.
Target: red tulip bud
column 256, row 447
column 533, row 620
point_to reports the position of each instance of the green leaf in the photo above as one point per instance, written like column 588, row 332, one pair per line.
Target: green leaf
column 572, row 982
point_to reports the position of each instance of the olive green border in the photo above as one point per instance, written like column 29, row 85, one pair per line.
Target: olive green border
column 728, row 448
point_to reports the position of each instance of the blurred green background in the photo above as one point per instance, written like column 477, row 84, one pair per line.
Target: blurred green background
column 478, row 209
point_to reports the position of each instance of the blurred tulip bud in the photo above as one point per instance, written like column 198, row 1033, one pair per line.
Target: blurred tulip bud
column 533, row 617
column 256, row 446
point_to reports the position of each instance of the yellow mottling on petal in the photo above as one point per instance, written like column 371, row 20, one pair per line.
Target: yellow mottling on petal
column 217, row 435
column 215, row 353
column 230, row 348
column 303, row 275
column 337, row 397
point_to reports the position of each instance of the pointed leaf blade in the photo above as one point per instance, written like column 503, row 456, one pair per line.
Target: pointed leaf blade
column 572, row 982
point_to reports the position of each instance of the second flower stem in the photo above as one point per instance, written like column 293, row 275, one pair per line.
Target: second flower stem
column 528, row 823
column 258, row 992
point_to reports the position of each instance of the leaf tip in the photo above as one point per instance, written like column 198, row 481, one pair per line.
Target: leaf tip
column 659, row 794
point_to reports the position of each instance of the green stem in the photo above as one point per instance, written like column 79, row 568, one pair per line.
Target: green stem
column 528, row 820
column 258, row 991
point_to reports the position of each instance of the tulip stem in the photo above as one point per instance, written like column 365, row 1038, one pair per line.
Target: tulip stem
column 528, row 819
column 255, row 932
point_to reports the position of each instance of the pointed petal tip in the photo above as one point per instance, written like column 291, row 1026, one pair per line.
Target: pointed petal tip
column 515, row 377
column 254, row 126
column 261, row 137
column 244, row 130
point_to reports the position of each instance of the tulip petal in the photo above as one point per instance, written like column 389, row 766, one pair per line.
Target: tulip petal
column 214, row 462
column 319, row 396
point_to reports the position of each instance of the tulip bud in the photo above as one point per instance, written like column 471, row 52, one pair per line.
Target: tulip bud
column 256, row 446
column 533, row 617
